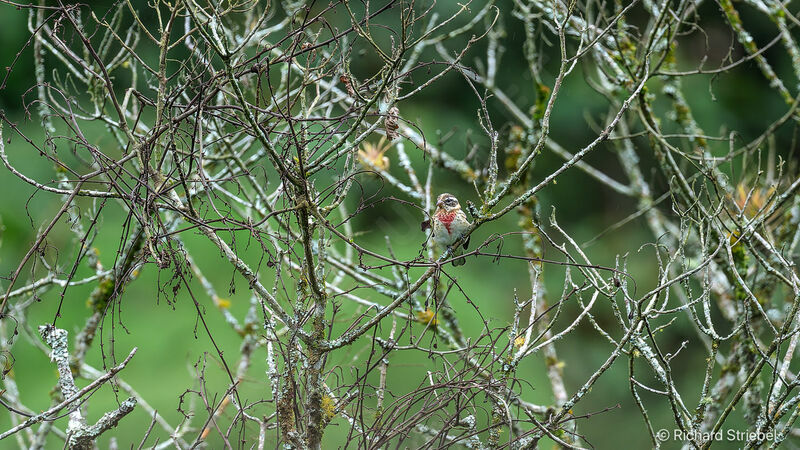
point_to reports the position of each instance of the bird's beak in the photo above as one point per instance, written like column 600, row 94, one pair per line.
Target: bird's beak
column 439, row 204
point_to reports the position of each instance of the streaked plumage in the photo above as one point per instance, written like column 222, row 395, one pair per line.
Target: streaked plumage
column 449, row 224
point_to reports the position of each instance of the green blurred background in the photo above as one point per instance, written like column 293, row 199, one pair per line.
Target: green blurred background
column 172, row 346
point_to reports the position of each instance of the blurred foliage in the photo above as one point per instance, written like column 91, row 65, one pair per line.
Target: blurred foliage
column 171, row 346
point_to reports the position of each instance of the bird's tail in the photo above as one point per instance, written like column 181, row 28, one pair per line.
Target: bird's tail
column 460, row 261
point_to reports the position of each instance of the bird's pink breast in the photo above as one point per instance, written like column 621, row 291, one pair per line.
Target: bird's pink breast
column 447, row 219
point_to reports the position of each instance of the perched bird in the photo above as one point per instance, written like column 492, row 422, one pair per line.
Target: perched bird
column 449, row 224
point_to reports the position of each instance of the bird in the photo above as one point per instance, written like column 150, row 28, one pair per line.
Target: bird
column 449, row 224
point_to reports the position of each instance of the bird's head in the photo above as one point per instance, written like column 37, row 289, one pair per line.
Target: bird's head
column 447, row 202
